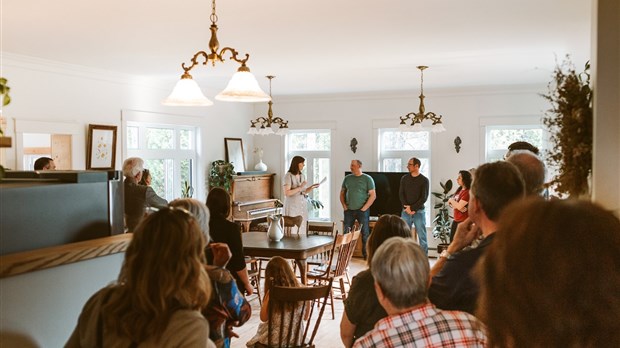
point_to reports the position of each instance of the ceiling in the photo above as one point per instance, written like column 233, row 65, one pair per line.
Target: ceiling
column 313, row 47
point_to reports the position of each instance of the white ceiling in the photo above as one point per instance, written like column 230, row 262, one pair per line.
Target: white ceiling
column 313, row 47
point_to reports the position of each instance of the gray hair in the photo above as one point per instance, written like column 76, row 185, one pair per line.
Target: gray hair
column 132, row 166
column 198, row 209
column 401, row 269
column 532, row 170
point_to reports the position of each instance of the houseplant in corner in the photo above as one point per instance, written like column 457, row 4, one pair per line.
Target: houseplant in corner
column 570, row 123
column 442, row 221
column 221, row 174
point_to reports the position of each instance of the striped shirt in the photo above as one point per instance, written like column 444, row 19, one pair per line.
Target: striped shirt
column 425, row 326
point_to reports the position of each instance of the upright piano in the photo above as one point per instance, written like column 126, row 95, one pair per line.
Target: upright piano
column 252, row 198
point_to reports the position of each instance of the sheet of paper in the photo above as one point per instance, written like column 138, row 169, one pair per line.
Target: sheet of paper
column 324, row 180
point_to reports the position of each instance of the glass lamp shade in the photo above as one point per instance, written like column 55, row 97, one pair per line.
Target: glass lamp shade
column 417, row 127
column 404, row 127
column 282, row 131
column 253, row 131
column 437, row 128
column 265, row 131
column 187, row 93
column 243, row 87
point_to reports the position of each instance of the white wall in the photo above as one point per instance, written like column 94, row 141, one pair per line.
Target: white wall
column 359, row 116
column 40, row 309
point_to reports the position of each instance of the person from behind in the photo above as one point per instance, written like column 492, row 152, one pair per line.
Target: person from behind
column 277, row 273
column 356, row 196
column 227, row 307
column 531, row 168
column 522, row 146
column 137, row 197
column 459, row 200
column 495, row 186
column 361, row 307
column 401, row 272
column 44, row 163
column 413, row 193
column 553, row 279
column 160, row 291
column 146, row 178
column 224, row 231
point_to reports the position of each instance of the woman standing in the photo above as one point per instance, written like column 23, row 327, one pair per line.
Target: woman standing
column 460, row 200
column 296, row 190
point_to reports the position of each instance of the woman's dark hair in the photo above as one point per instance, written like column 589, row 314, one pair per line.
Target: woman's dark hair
column 387, row 226
column 294, row 168
column 551, row 279
column 218, row 202
column 466, row 177
column 145, row 174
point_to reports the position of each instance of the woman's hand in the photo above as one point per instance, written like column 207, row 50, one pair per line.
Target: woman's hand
column 221, row 254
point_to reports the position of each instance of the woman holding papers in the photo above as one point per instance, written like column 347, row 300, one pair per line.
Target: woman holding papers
column 296, row 190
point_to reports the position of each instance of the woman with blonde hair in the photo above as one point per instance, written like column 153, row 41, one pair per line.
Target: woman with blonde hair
column 552, row 279
column 160, row 291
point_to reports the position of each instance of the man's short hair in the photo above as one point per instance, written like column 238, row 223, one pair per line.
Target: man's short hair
column 522, row 145
column 132, row 166
column 40, row 163
column 416, row 161
column 401, row 269
column 358, row 162
column 532, row 170
column 495, row 186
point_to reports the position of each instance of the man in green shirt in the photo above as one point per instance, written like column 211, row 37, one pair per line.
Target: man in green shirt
column 357, row 195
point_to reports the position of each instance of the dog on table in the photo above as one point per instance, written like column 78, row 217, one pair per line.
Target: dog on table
column 290, row 221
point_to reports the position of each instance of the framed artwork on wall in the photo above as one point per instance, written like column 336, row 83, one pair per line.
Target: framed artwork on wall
column 101, row 153
column 234, row 153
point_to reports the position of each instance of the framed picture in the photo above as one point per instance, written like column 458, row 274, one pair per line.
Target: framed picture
column 234, row 153
column 101, row 153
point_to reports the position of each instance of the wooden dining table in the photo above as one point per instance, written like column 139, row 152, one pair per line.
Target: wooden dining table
column 296, row 247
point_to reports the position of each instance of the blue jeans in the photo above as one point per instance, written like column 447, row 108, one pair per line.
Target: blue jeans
column 418, row 220
column 363, row 217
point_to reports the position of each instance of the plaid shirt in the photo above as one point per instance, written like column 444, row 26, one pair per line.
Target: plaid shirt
column 425, row 326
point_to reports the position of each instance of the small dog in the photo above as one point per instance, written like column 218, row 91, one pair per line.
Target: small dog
column 290, row 221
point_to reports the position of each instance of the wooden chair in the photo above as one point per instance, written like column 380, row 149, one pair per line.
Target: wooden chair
column 320, row 229
column 336, row 267
column 254, row 276
column 303, row 324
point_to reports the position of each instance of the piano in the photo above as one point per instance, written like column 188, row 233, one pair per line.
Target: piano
column 252, row 197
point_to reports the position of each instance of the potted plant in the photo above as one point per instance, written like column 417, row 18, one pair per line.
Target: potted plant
column 221, row 174
column 570, row 123
column 442, row 221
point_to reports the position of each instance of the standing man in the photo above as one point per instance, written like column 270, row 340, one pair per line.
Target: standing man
column 413, row 194
column 357, row 195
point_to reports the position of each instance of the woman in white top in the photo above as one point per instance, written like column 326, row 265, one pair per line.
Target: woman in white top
column 296, row 190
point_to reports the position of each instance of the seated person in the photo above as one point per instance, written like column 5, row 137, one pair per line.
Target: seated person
column 401, row 272
column 553, row 279
column 44, row 163
column 137, row 197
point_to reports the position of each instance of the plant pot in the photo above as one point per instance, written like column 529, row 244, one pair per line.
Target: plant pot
column 441, row 247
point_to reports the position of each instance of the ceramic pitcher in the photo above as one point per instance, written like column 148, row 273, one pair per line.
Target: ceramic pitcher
column 275, row 228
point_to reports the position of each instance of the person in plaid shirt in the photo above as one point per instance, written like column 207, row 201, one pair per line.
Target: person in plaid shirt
column 412, row 320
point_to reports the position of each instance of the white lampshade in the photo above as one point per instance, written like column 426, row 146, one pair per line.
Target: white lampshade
column 417, row 127
column 404, row 127
column 253, row 131
column 438, row 128
column 265, row 131
column 243, row 87
column 187, row 93
column 282, row 131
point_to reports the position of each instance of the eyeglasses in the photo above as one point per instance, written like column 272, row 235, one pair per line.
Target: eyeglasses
column 410, row 164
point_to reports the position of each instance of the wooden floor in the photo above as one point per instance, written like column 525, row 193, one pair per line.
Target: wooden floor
column 328, row 335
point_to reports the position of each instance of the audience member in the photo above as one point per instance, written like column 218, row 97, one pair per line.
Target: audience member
column 361, row 307
column 44, row 163
column 522, row 145
column 137, row 197
column 459, row 200
column 146, row 178
column 401, row 272
column 553, row 279
column 496, row 185
column 277, row 273
column 161, row 289
column 224, row 231
column 413, row 193
column 227, row 307
column 532, row 170
column 356, row 196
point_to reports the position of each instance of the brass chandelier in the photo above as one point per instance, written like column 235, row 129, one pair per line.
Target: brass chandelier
column 417, row 118
column 242, row 87
column 266, row 123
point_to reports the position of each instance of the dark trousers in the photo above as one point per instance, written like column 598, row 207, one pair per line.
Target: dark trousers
column 363, row 218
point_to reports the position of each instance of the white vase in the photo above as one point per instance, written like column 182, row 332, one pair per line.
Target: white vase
column 260, row 166
column 275, row 228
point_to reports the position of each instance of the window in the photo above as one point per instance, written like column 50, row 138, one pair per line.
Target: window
column 169, row 153
column 498, row 138
column 315, row 147
column 397, row 147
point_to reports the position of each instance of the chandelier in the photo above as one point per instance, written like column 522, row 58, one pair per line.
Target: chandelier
column 265, row 123
column 242, row 87
column 417, row 118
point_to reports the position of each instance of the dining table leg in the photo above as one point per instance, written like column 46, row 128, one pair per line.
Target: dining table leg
column 302, row 264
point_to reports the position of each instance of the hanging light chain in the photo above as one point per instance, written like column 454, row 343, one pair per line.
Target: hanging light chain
column 213, row 16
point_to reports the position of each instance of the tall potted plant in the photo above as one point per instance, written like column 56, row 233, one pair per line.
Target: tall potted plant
column 442, row 221
column 221, row 174
column 569, row 121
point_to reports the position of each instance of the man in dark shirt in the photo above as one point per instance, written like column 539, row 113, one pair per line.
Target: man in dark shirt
column 137, row 197
column 413, row 193
column 495, row 186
